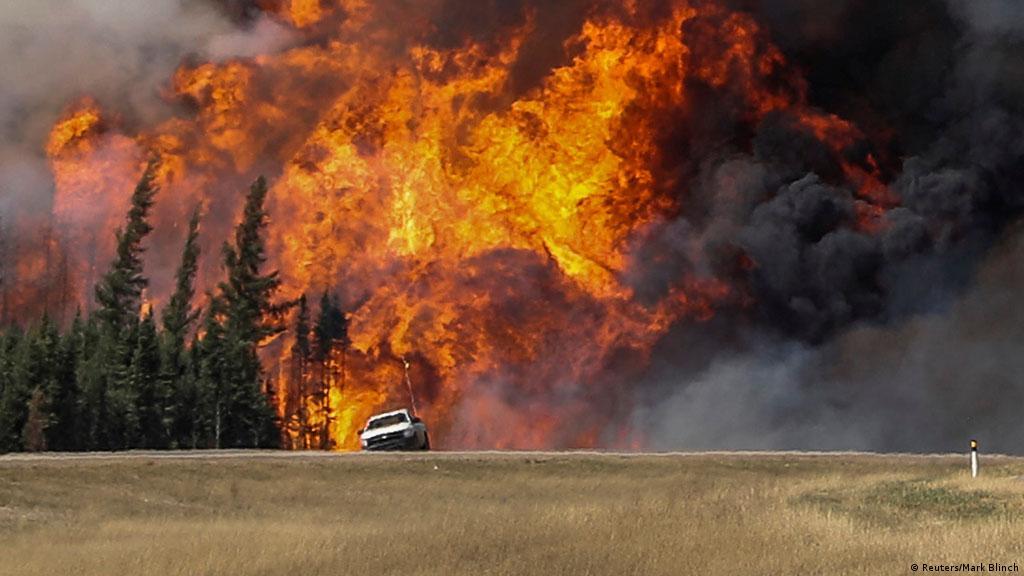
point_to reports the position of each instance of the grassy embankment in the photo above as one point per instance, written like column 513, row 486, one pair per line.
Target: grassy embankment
column 506, row 514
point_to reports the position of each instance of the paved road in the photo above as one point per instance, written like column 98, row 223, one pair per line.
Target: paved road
column 439, row 455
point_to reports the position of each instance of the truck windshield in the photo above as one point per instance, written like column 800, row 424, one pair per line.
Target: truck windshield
column 386, row 421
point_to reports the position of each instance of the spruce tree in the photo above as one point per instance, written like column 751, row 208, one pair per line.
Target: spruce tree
column 147, row 388
column 331, row 327
column 25, row 404
column 182, row 414
column 119, row 292
column 248, row 292
column 121, row 426
column 15, row 394
column 90, row 376
column 187, row 405
column 112, row 399
column 46, row 364
column 251, row 317
column 210, row 355
column 177, row 318
column 54, row 393
column 331, row 340
column 8, row 345
column 65, row 397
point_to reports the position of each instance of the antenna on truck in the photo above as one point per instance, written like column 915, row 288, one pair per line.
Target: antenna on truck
column 408, row 384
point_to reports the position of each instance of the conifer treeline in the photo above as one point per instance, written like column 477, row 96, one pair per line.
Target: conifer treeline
column 119, row 379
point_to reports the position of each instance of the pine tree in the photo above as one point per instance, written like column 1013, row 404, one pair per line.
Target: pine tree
column 148, row 389
column 178, row 318
column 182, row 415
column 25, row 405
column 187, row 431
column 210, row 354
column 248, row 293
column 112, row 400
column 54, row 393
column 119, row 292
column 250, row 318
column 13, row 396
column 121, row 426
column 8, row 344
column 90, row 377
column 331, row 341
column 65, row 396
column 331, row 327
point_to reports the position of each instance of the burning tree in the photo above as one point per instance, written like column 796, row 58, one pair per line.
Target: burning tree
column 317, row 374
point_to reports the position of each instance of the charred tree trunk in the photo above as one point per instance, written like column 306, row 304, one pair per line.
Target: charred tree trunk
column 325, row 400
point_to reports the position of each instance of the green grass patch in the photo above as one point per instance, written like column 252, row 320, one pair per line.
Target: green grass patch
column 896, row 503
column 917, row 497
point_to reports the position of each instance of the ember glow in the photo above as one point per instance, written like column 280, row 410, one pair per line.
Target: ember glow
column 482, row 231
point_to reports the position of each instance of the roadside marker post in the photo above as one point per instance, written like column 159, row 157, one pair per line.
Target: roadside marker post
column 974, row 458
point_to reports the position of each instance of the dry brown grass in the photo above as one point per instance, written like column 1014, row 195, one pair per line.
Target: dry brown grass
column 506, row 514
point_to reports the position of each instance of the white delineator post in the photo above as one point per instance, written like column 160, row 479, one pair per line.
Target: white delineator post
column 974, row 458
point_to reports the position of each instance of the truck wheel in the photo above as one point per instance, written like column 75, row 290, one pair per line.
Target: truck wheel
column 426, row 441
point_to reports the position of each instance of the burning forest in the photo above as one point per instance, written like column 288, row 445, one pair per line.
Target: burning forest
column 583, row 224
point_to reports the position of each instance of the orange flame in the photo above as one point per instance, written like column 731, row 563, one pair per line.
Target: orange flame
column 478, row 230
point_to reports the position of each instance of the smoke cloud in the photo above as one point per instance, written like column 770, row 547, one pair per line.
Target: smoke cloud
column 923, row 384
column 890, row 341
column 121, row 53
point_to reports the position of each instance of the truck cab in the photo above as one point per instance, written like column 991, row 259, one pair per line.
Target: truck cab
column 397, row 430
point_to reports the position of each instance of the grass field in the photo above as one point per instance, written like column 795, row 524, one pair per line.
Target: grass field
column 489, row 514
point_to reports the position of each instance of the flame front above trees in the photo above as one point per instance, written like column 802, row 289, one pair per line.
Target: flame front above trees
column 479, row 229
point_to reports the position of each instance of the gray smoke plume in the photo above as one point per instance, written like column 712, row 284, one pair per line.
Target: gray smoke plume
column 122, row 53
column 927, row 383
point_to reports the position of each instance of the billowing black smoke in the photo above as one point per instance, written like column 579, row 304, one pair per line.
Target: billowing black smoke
column 885, row 339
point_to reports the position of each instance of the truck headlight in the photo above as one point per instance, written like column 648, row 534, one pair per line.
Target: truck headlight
column 409, row 432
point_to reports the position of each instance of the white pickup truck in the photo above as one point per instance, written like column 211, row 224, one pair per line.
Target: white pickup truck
column 396, row 430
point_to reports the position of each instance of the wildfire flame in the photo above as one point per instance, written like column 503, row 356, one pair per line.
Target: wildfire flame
column 480, row 231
